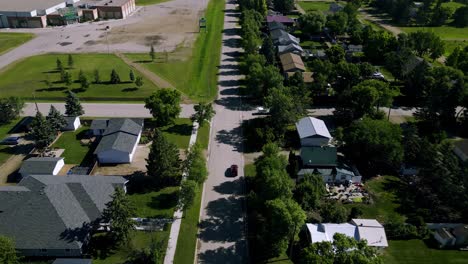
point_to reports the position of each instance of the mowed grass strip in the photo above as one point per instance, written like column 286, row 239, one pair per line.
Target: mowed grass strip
column 27, row 78
column 317, row 5
column 9, row 41
column 415, row 251
column 445, row 32
column 193, row 71
column 74, row 152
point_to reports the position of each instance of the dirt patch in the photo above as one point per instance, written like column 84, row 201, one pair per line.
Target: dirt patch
column 138, row 164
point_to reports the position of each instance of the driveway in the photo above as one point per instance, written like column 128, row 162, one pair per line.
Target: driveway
column 104, row 110
column 222, row 234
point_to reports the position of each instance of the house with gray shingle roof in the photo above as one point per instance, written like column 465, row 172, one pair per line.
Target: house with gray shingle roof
column 41, row 166
column 119, row 140
column 52, row 216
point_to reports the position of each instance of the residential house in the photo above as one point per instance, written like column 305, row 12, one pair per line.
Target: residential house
column 360, row 229
column 72, row 261
column 319, row 54
column 98, row 126
column 276, row 25
column 41, row 166
column 119, row 140
column 291, row 62
column 452, row 236
column 73, row 123
column 52, row 216
column 313, row 132
column 293, row 48
column 289, row 22
column 354, row 48
column 281, row 37
column 460, row 148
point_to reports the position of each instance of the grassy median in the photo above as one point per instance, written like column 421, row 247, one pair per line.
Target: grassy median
column 9, row 41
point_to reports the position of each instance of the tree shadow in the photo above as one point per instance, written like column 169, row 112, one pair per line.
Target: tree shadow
column 224, row 222
column 51, row 89
column 101, row 246
column 130, row 89
column 78, row 90
column 229, row 73
column 231, row 31
column 231, row 42
column 234, row 54
column 234, row 254
column 229, row 83
column 232, row 138
column 164, row 201
column 230, row 91
column 230, row 187
column 180, row 129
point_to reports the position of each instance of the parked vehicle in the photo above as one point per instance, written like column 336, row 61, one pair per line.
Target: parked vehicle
column 11, row 141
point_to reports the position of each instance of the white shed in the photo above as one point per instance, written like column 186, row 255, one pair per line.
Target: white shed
column 313, row 132
column 73, row 123
column 41, row 166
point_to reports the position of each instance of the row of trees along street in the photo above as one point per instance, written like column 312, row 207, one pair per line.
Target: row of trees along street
column 363, row 133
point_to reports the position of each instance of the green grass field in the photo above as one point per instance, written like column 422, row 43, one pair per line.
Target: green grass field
column 203, row 136
column 179, row 133
column 5, row 151
column 27, row 78
column 74, row 153
column 452, row 5
column 194, row 72
column 149, row 2
column 155, row 204
column 416, row 252
column 316, row 5
column 9, row 41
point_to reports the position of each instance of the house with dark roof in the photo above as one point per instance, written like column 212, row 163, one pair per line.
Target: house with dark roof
column 293, row 48
column 52, row 216
column 281, row 19
column 73, row 123
column 291, row 62
column 41, row 166
column 119, row 140
column 281, row 37
column 276, row 25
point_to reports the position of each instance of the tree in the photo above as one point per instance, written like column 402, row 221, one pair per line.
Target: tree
column 312, row 22
column 70, row 61
column 114, row 77
column 335, row 54
column 333, row 212
column 337, row 23
column 59, row 64
column 132, row 76
column 440, row 15
column 83, row 80
column 460, row 17
column 56, row 120
column 284, row 218
column 203, row 112
column 343, row 250
column 195, row 165
column 10, row 109
column 347, row 74
column 268, row 50
column 152, row 54
column 118, row 213
column 139, row 81
column 42, row 131
column 72, row 105
column 67, row 78
column 164, row 105
column 7, row 251
column 163, row 163
column 378, row 44
column 426, row 43
column 97, row 77
column 188, row 191
column 283, row 6
column 374, row 144
column 309, row 191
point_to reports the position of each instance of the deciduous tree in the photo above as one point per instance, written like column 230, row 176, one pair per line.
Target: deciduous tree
column 7, row 251
column 203, row 112
column 195, row 164
column 164, row 105
column 188, row 191
column 312, row 22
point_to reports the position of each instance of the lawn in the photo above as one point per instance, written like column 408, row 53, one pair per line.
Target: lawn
column 74, row 153
column 445, row 32
column 9, row 41
column 155, row 204
column 5, row 151
column 317, row 5
column 416, row 252
column 385, row 203
column 179, row 133
column 149, row 2
column 27, row 78
column 193, row 71
column 453, row 5
column 203, row 135
column 450, row 45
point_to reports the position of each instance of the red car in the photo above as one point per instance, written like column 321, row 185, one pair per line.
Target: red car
column 234, row 170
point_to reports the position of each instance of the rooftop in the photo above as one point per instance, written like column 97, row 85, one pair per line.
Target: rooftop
column 319, row 156
column 279, row 18
column 291, row 62
column 121, row 134
column 39, row 165
column 27, row 5
column 312, row 127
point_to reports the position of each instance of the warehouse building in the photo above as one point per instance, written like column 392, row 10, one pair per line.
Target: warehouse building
column 39, row 14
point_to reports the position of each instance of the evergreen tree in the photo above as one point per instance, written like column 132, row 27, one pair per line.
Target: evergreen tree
column 163, row 163
column 72, row 105
column 152, row 53
column 97, row 77
column 114, row 77
column 132, row 76
column 83, row 80
column 67, row 78
column 10, row 108
column 70, row 61
column 42, row 132
column 139, row 81
column 56, row 120
column 59, row 64
column 118, row 213
column 7, row 251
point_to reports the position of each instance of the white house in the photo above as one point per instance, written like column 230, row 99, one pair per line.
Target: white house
column 119, row 140
column 73, row 123
column 369, row 229
column 313, row 132
column 41, row 166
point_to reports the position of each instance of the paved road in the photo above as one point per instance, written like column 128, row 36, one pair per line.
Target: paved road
column 104, row 110
column 222, row 237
